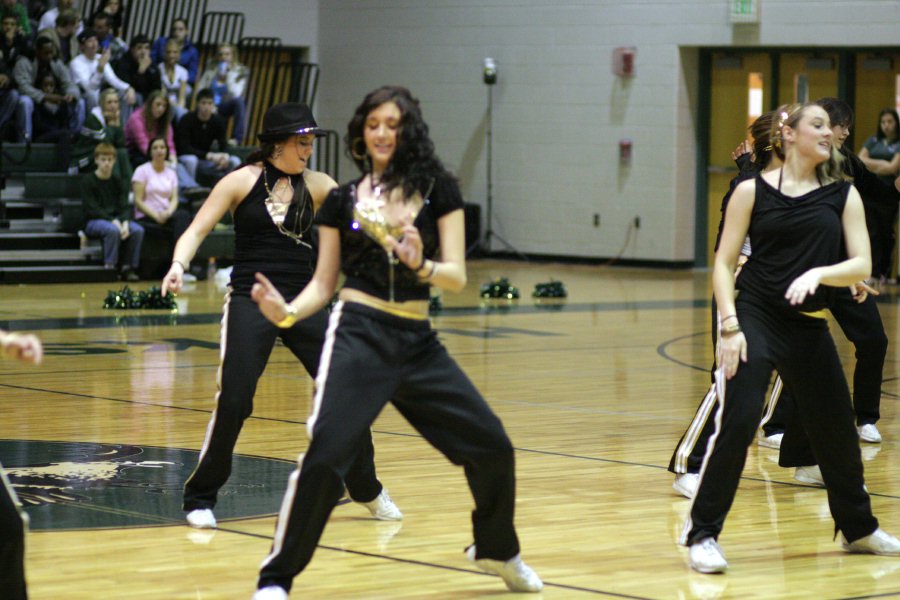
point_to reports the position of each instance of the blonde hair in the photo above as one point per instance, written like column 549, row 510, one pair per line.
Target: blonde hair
column 789, row 115
column 235, row 57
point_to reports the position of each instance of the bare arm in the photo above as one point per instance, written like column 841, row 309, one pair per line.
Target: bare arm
column 224, row 197
column 879, row 166
column 733, row 347
column 450, row 272
column 319, row 184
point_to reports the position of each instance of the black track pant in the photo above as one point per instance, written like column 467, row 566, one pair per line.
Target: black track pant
column 247, row 340
column 12, row 544
column 800, row 348
column 862, row 325
column 369, row 359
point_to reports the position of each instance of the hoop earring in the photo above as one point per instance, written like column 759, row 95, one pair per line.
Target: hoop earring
column 357, row 154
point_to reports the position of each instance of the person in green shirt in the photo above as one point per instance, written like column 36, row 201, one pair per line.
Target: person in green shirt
column 103, row 124
column 108, row 215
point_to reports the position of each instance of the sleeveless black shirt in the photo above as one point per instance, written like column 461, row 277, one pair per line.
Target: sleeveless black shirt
column 261, row 247
column 365, row 263
column 789, row 236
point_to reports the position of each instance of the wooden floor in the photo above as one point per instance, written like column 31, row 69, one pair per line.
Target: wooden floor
column 594, row 393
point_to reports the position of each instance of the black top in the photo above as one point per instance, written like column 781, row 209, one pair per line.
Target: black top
column 193, row 136
column 789, row 236
column 365, row 262
column 105, row 199
column 127, row 69
column 260, row 246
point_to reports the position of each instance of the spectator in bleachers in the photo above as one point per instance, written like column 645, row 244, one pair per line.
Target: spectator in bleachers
column 155, row 187
column 137, row 68
column 9, row 98
column 190, row 56
column 13, row 43
column 108, row 215
column 63, row 34
column 115, row 10
column 103, row 126
column 48, row 19
column 102, row 26
column 175, row 79
column 25, row 75
column 92, row 72
column 195, row 135
column 227, row 78
column 18, row 10
column 51, row 117
column 154, row 120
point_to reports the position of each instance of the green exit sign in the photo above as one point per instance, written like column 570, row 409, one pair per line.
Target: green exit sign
column 744, row 11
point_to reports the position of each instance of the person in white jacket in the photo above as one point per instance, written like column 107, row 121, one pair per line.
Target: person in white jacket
column 92, row 72
column 227, row 78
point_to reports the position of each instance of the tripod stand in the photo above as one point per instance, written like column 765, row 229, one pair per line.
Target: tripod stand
column 489, row 135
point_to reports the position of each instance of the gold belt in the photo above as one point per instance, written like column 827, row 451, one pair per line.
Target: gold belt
column 818, row 314
column 392, row 310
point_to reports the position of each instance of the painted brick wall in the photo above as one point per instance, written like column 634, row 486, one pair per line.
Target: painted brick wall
column 558, row 109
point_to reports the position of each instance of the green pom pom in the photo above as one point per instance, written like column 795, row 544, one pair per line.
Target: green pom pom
column 150, row 299
column 551, row 289
column 499, row 289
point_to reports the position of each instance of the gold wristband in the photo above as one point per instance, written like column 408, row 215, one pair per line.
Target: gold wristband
column 430, row 273
column 730, row 331
column 290, row 318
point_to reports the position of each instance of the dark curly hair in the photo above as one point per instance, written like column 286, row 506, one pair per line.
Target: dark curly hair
column 414, row 165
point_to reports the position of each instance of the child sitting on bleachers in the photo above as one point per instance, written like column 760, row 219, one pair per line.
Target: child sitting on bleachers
column 108, row 215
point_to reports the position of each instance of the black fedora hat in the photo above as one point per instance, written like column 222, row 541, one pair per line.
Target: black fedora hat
column 286, row 119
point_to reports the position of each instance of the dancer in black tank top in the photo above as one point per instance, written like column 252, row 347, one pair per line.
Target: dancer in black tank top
column 802, row 223
column 272, row 199
column 854, row 310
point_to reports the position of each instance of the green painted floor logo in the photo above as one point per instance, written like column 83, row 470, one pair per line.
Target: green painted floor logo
column 77, row 485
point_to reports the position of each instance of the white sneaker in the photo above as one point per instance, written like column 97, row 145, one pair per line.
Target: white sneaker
column 878, row 542
column 202, row 518
column 270, row 592
column 686, row 484
column 706, row 556
column 869, row 433
column 518, row 576
column 771, row 441
column 383, row 508
column 811, row 475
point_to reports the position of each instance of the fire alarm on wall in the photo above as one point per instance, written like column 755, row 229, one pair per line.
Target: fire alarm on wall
column 623, row 61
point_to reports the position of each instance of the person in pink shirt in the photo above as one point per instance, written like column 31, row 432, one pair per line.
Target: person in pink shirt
column 155, row 187
column 154, row 119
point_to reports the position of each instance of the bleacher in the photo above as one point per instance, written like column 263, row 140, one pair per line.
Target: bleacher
column 40, row 208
